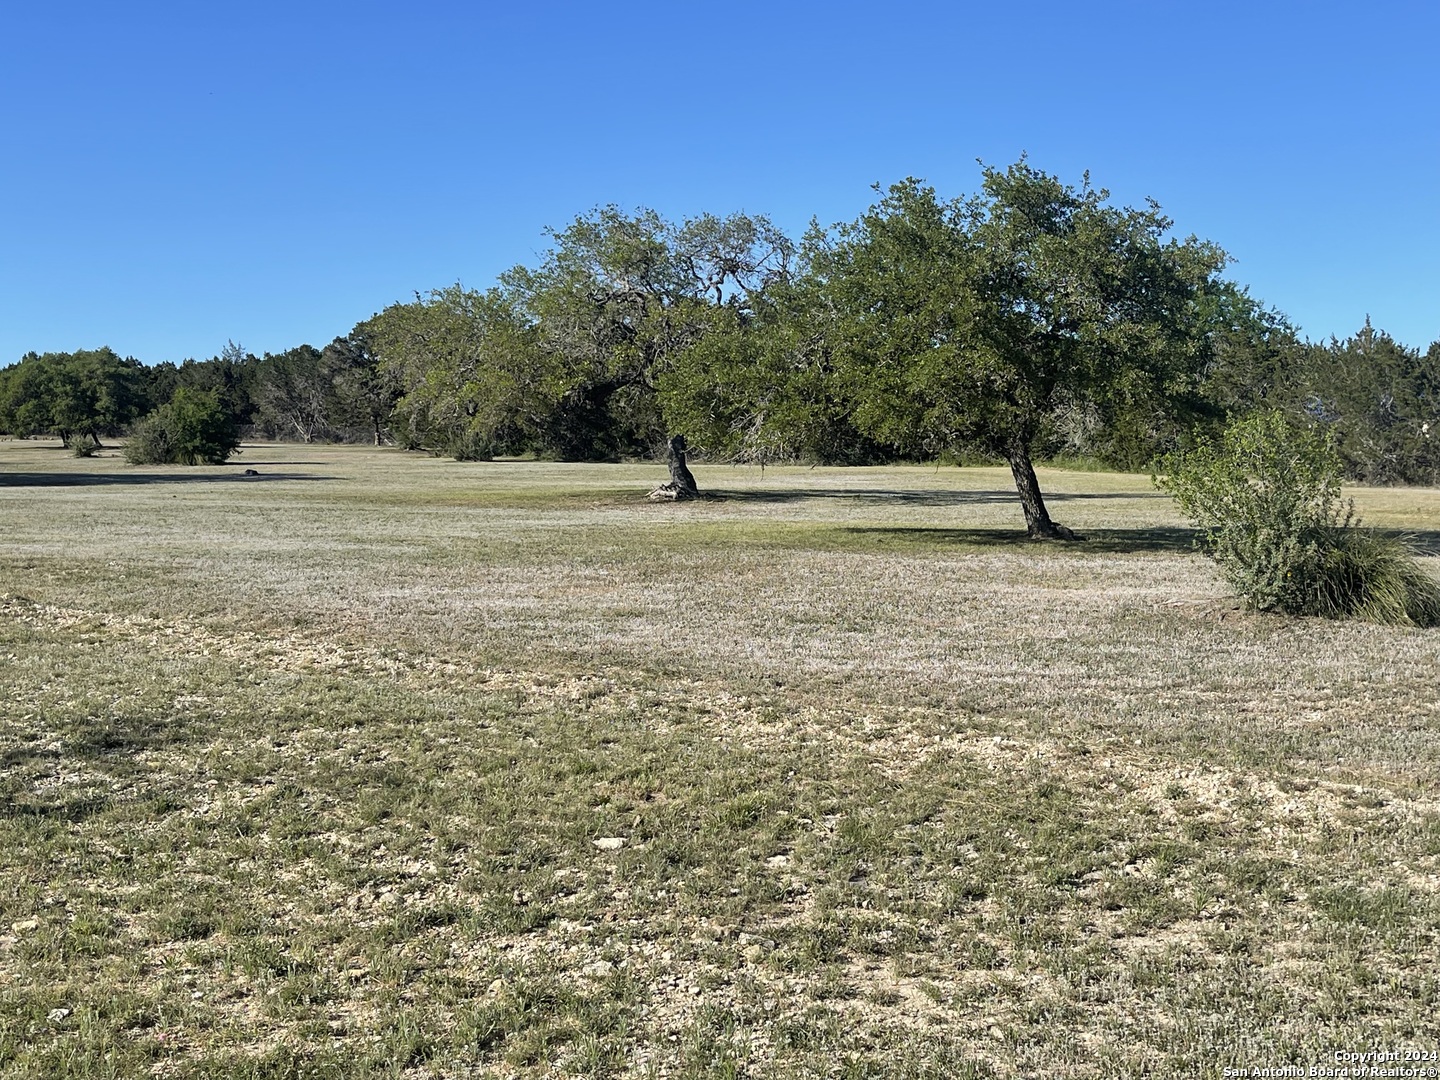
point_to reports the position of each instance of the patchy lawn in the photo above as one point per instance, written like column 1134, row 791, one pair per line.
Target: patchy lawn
column 375, row 764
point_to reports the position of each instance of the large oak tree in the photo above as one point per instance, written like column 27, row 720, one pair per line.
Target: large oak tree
column 563, row 357
column 619, row 297
column 978, row 323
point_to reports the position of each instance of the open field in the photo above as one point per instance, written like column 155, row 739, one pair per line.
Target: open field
column 304, row 774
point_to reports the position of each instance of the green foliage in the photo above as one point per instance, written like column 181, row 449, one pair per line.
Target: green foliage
column 617, row 302
column 363, row 394
column 293, row 395
column 1256, row 357
column 758, row 386
column 192, row 428
column 563, row 359
column 1384, row 401
column 976, row 321
column 335, row 394
column 313, row 395
column 1374, row 577
column 231, row 377
column 1032, row 320
column 1268, row 498
column 468, row 377
column 987, row 323
column 1381, row 399
column 77, row 395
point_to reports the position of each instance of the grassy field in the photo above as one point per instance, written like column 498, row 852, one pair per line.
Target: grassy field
column 375, row 764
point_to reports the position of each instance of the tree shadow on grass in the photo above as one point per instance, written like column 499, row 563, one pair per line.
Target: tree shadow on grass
column 1157, row 540
column 1098, row 541
column 49, row 480
column 918, row 498
column 69, row 807
column 112, row 747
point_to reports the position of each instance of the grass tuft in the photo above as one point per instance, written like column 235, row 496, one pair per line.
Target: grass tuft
column 1367, row 575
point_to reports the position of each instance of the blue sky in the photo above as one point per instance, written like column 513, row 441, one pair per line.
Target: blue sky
column 173, row 176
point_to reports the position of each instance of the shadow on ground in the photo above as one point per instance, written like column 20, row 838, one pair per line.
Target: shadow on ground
column 112, row 747
column 46, row 479
column 919, row 498
column 1106, row 541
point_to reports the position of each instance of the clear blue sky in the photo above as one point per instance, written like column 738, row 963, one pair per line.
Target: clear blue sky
column 176, row 175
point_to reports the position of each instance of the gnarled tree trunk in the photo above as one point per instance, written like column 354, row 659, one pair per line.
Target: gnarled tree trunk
column 681, row 484
column 1037, row 519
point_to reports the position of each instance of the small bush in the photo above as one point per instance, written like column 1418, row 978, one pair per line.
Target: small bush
column 83, row 449
column 192, row 429
column 1268, row 499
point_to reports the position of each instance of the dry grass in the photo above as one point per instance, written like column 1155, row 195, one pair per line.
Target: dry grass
column 303, row 774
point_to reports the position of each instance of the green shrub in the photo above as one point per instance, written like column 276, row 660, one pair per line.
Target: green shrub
column 192, row 429
column 1267, row 498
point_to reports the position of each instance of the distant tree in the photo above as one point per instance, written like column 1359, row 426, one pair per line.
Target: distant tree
column 365, row 393
column 27, row 396
column 294, row 394
column 1382, row 399
column 615, row 302
column 980, row 323
column 161, row 382
column 759, row 385
column 473, row 382
column 230, row 376
column 564, row 358
column 82, row 395
column 1256, row 357
column 1252, row 360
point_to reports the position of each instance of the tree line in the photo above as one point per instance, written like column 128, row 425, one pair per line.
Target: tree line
column 304, row 394
column 1030, row 320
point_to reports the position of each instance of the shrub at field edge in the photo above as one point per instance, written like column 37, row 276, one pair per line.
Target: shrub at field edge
column 1268, row 500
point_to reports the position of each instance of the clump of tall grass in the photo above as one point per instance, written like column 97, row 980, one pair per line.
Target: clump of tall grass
column 1267, row 497
column 1371, row 576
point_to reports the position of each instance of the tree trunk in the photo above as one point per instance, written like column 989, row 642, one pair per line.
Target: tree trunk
column 682, row 484
column 1038, row 525
column 375, row 420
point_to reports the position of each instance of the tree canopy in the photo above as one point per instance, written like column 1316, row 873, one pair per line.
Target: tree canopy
column 83, row 394
column 563, row 358
column 984, row 323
